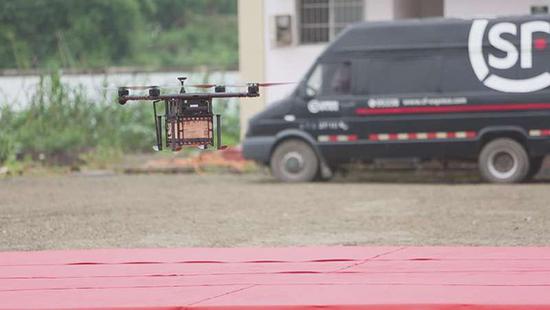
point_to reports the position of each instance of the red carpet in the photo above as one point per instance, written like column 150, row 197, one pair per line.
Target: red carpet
column 420, row 278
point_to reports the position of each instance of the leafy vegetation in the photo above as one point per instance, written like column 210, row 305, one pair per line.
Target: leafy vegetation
column 100, row 33
column 62, row 127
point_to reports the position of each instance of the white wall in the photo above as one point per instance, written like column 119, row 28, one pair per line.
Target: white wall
column 252, row 59
column 489, row 8
column 377, row 10
column 290, row 63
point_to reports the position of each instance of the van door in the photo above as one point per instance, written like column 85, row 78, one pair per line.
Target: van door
column 325, row 95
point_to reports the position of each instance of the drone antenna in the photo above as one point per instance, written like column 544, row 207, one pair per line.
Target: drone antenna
column 182, row 81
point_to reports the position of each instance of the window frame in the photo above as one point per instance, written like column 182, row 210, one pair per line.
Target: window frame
column 332, row 25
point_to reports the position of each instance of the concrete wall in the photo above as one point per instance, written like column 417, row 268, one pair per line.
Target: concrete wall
column 377, row 10
column 489, row 8
column 287, row 63
column 252, row 56
column 290, row 63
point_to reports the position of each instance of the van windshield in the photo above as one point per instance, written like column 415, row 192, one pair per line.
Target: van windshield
column 329, row 79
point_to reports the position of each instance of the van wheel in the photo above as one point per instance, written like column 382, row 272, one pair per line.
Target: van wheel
column 294, row 161
column 504, row 161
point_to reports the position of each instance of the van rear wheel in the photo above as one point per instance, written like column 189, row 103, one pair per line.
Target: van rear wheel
column 294, row 161
column 504, row 161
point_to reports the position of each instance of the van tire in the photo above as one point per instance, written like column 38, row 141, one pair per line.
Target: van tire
column 504, row 160
column 294, row 161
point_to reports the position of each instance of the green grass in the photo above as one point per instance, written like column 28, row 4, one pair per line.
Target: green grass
column 61, row 126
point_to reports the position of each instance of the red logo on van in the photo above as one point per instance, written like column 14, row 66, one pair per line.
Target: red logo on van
column 541, row 43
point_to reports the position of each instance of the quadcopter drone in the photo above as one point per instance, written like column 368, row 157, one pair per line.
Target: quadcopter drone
column 188, row 118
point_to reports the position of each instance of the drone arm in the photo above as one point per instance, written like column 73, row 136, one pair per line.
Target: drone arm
column 187, row 96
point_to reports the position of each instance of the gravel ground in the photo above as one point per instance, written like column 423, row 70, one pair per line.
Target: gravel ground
column 104, row 211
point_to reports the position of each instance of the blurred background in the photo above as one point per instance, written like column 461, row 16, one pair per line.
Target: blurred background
column 61, row 60
column 78, row 171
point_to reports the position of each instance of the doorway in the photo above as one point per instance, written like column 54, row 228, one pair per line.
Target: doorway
column 418, row 8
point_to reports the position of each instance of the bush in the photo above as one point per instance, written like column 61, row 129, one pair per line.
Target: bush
column 62, row 126
column 43, row 34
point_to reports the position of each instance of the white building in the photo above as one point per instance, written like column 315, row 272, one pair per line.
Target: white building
column 280, row 39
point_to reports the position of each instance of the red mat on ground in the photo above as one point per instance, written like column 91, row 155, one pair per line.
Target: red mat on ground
column 257, row 278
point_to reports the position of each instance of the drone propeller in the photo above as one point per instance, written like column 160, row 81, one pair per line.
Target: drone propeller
column 275, row 84
column 265, row 84
column 202, row 85
column 218, row 87
column 140, row 87
column 240, row 85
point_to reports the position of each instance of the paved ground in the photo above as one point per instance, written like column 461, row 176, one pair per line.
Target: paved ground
column 228, row 210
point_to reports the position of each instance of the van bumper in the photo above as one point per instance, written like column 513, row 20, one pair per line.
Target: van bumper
column 258, row 148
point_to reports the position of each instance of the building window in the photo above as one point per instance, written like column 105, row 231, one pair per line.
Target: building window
column 322, row 20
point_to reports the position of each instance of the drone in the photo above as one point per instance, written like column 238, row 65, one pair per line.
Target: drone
column 188, row 118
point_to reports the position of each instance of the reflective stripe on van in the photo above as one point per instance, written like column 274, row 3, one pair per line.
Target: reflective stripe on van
column 539, row 132
column 453, row 109
column 404, row 136
column 422, row 136
column 337, row 138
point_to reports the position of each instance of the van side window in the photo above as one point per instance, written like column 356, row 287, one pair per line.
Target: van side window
column 330, row 79
column 405, row 74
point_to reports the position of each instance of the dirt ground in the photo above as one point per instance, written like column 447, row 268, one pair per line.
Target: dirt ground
column 109, row 210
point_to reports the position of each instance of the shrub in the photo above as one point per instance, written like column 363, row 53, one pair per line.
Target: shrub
column 62, row 126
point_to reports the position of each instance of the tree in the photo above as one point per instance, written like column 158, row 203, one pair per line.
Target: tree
column 99, row 33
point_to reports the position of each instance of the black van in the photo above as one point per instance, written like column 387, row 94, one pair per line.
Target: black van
column 426, row 89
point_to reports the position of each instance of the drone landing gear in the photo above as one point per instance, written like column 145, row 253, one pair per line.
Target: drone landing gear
column 187, row 123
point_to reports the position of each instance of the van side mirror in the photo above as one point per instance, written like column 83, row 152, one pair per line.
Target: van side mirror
column 308, row 92
column 307, row 97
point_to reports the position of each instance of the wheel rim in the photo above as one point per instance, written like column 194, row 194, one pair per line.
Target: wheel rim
column 502, row 164
column 293, row 162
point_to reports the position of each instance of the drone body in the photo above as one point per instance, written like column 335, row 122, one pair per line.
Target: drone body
column 186, row 119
